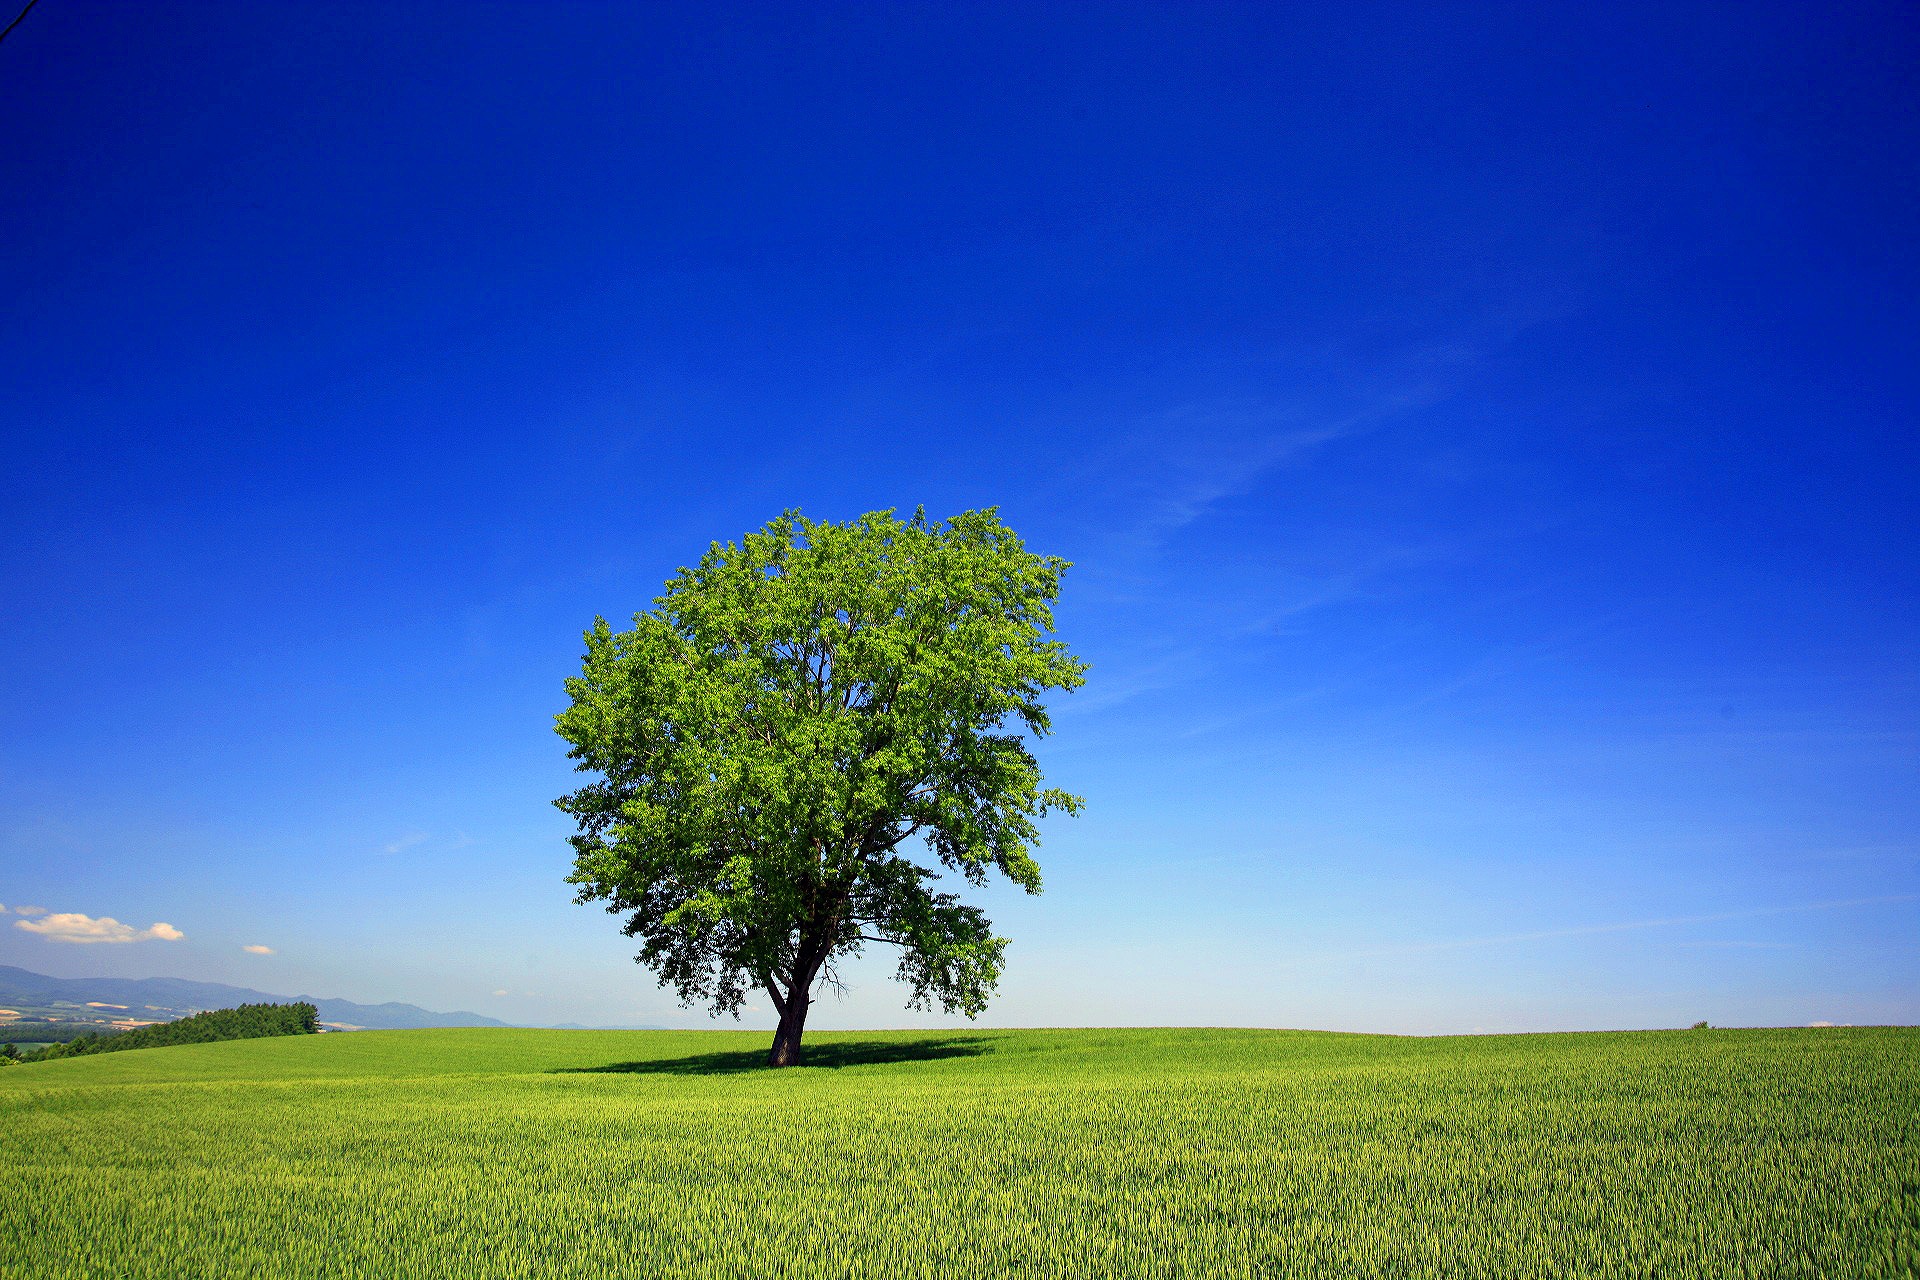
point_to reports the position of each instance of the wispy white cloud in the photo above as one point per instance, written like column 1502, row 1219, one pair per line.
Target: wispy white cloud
column 71, row 926
column 435, row 842
column 1187, row 461
column 1505, row 661
column 502, row 991
column 1732, row 944
column 1197, row 457
column 255, row 949
column 30, row 911
column 1177, row 665
column 1192, row 463
column 1621, row 926
column 1196, row 483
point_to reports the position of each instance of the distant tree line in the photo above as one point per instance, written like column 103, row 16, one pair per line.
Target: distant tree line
column 37, row 1032
column 247, row 1022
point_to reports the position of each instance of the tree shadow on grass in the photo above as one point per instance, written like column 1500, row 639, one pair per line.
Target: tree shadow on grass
column 831, row 1054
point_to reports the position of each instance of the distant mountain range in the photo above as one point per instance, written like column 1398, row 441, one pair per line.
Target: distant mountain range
column 179, row 997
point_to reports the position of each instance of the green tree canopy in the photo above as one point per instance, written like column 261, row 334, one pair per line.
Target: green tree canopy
column 806, row 728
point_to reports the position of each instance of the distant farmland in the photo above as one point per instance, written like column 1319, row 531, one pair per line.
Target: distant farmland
column 1791, row 1153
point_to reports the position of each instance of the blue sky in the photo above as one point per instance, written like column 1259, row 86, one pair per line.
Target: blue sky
column 1485, row 439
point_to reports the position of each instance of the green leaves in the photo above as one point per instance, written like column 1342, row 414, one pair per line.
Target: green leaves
column 800, row 712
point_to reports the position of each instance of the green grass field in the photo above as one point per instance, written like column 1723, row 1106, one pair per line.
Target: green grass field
column 1046, row 1153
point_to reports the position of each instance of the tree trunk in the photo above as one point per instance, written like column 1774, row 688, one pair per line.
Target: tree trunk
column 793, row 1021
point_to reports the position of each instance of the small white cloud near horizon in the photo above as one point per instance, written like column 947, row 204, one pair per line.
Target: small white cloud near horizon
column 29, row 911
column 407, row 842
column 255, row 949
column 502, row 991
column 72, row 926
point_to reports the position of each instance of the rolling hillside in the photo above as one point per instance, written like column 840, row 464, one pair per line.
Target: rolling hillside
column 177, row 997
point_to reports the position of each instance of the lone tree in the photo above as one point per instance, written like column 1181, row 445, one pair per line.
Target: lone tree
column 803, row 722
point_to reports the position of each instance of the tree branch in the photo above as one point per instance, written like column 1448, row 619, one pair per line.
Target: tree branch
column 895, row 842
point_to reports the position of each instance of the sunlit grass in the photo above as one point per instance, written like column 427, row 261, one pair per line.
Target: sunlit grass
column 1089, row 1153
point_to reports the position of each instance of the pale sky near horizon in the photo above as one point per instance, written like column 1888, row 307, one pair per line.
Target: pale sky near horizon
column 1485, row 440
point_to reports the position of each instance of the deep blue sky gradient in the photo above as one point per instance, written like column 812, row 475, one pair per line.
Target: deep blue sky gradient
column 1485, row 439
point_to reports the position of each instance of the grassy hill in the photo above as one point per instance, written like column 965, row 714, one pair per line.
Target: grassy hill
column 1049, row 1153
